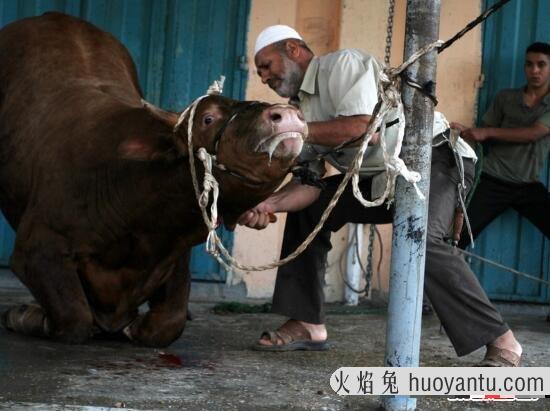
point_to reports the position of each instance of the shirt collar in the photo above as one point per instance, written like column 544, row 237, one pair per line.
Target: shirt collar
column 308, row 83
column 545, row 100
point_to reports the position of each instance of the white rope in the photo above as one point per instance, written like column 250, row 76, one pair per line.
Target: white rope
column 214, row 245
column 210, row 185
column 356, row 164
column 389, row 97
column 216, row 87
column 230, row 261
column 395, row 166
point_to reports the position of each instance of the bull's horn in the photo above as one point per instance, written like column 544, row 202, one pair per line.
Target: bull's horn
column 163, row 115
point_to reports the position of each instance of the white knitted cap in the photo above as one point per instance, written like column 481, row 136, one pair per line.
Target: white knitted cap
column 273, row 34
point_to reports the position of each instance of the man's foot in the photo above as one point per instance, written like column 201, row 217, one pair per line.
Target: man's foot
column 294, row 335
column 504, row 351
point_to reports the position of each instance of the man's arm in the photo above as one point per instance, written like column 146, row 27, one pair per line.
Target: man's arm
column 334, row 132
column 292, row 197
column 351, row 89
column 511, row 135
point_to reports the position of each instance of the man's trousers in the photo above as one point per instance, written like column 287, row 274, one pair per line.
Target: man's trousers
column 467, row 315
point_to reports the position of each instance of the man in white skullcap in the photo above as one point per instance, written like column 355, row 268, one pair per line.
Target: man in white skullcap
column 287, row 87
column 337, row 93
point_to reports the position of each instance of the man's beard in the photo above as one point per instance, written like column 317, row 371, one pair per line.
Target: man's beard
column 291, row 80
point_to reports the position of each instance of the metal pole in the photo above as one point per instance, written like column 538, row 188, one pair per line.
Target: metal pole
column 410, row 221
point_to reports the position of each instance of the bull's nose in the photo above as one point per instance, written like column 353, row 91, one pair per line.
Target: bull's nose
column 284, row 116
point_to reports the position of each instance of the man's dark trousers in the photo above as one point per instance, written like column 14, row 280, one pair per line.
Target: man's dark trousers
column 493, row 196
column 467, row 315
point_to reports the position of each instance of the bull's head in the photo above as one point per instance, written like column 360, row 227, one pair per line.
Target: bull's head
column 255, row 140
column 255, row 143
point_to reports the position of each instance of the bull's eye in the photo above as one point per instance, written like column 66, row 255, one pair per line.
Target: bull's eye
column 208, row 119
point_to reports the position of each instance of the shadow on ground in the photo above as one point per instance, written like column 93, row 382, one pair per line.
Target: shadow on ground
column 211, row 367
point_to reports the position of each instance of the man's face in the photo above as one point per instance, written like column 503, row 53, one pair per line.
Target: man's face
column 278, row 71
column 537, row 69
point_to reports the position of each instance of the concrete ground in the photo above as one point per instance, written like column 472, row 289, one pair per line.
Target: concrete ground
column 211, row 367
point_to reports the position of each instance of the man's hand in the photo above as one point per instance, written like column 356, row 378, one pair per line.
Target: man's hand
column 292, row 197
column 458, row 126
column 334, row 132
column 475, row 134
column 258, row 217
column 471, row 133
column 522, row 135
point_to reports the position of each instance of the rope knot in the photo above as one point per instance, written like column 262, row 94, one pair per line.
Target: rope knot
column 216, row 87
column 396, row 166
column 209, row 184
column 211, row 246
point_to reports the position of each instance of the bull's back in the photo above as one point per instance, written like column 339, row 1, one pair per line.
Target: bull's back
column 41, row 54
column 59, row 77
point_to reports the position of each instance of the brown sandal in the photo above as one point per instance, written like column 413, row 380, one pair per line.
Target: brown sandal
column 294, row 336
column 500, row 357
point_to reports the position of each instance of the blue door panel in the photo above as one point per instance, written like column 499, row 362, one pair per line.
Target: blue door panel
column 179, row 47
column 7, row 238
column 512, row 240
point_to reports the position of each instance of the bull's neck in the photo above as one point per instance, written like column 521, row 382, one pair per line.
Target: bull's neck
column 153, row 196
column 161, row 196
column 237, row 196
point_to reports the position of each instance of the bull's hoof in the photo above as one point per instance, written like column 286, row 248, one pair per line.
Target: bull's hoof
column 76, row 331
column 142, row 332
column 73, row 336
column 25, row 319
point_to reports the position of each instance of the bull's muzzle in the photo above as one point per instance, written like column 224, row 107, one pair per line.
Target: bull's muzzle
column 289, row 131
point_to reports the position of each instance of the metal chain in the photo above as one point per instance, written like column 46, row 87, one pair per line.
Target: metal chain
column 372, row 227
column 389, row 31
column 368, row 271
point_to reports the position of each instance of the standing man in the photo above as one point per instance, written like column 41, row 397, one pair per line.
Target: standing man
column 517, row 130
column 337, row 94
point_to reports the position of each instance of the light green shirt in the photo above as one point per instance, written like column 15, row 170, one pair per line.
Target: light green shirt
column 516, row 162
column 343, row 83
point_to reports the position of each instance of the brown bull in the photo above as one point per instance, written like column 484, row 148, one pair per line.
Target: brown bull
column 98, row 186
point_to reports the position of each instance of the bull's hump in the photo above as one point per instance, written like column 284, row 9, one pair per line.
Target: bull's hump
column 54, row 48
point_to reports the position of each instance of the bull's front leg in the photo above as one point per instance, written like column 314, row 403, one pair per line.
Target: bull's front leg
column 165, row 320
column 42, row 263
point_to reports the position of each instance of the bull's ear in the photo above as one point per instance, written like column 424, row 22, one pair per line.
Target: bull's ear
column 153, row 141
column 170, row 119
column 165, row 116
column 145, row 148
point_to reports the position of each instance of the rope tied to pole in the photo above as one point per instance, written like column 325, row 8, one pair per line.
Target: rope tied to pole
column 503, row 267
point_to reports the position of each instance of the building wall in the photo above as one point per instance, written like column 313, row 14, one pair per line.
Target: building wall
column 328, row 25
